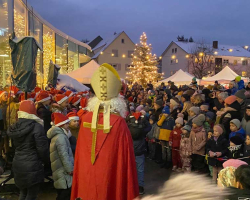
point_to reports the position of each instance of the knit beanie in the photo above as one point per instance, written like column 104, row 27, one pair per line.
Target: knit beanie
column 159, row 102
column 166, row 110
column 204, row 107
column 180, row 115
column 179, row 120
column 238, row 78
column 236, row 140
column 236, row 122
column 178, row 97
column 190, row 92
column 210, row 115
column 146, row 109
column 233, row 163
column 139, row 108
column 218, row 128
column 231, row 99
column 186, row 96
column 223, row 95
column 195, row 110
column 149, row 101
column 241, row 94
column 174, row 101
column 152, row 117
column 187, row 127
column 199, row 120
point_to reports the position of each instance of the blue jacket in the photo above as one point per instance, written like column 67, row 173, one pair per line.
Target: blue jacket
column 241, row 133
column 233, row 91
column 241, row 85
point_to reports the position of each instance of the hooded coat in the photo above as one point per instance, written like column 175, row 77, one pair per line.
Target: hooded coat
column 61, row 156
column 30, row 154
column 45, row 115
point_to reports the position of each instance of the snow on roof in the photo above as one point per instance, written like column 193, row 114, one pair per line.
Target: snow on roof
column 223, row 50
column 105, row 43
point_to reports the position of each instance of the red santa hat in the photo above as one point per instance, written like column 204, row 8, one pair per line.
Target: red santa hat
column 59, row 119
column 83, row 103
column 74, row 100
column 37, row 90
column 60, row 98
column 28, row 107
column 14, row 91
column 85, row 93
column 72, row 116
column 42, row 97
column 69, row 93
column 22, row 97
column 2, row 93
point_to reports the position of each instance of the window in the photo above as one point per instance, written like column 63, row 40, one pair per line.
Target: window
column 117, row 66
column 176, row 61
column 130, row 54
column 175, row 50
column 235, row 62
column 172, row 50
column 244, row 62
column 122, row 41
column 225, row 62
column 20, row 18
column 244, row 74
column 115, row 52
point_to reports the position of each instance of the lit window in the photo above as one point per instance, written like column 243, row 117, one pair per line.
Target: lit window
column 244, row 74
column 176, row 61
column 225, row 62
column 196, row 60
column 115, row 52
column 235, row 62
column 130, row 54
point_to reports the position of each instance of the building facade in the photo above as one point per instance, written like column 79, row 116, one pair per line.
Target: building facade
column 115, row 50
column 177, row 56
column 16, row 16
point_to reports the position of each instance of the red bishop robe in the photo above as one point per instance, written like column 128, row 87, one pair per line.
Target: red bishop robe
column 113, row 175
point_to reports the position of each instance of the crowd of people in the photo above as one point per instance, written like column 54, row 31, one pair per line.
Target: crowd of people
column 186, row 128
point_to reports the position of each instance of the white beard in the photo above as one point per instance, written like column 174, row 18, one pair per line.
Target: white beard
column 117, row 105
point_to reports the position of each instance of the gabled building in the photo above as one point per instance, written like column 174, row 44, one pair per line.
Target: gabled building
column 176, row 56
column 115, row 50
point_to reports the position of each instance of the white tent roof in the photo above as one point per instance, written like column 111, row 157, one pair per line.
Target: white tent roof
column 84, row 74
column 224, row 76
column 180, row 78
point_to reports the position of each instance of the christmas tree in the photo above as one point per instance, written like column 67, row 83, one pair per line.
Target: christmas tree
column 144, row 65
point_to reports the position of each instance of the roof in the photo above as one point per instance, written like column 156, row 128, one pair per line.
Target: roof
column 105, row 43
column 95, row 41
column 223, row 50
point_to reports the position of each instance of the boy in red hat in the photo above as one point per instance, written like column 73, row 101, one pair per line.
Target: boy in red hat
column 62, row 102
column 74, row 103
column 61, row 156
column 74, row 129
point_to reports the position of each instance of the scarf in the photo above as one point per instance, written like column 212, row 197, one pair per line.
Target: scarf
column 25, row 115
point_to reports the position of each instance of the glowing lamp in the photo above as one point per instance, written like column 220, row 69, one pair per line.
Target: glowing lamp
column 173, row 57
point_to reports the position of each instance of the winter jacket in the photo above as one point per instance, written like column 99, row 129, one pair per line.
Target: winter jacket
column 45, row 114
column 61, row 156
column 166, row 125
column 245, row 125
column 243, row 106
column 241, row 85
column 235, row 152
column 246, row 153
column 11, row 113
column 137, row 127
column 217, row 104
column 158, row 112
column 31, row 152
column 175, row 137
column 3, row 108
column 221, row 145
column 151, row 134
column 228, row 114
column 198, row 140
column 185, row 147
column 241, row 133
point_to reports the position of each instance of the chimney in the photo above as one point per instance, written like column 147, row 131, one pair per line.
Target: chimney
column 215, row 44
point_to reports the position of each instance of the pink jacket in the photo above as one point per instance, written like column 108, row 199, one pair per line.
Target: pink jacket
column 198, row 139
column 185, row 147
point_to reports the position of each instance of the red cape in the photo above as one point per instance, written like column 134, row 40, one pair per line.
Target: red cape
column 113, row 175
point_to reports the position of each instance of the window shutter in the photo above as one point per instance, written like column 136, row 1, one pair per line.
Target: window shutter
column 118, row 67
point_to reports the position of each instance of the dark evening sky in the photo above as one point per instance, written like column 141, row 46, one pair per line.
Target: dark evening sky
column 227, row 21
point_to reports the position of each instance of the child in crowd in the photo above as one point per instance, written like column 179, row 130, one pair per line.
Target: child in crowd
column 61, row 104
column 166, row 124
column 210, row 117
column 151, row 137
column 174, row 142
column 217, row 147
column 209, row 138
column 185, row 99
column 193, row 112
column 61, row 156
column 198, row 141
column 74, row 129
column 185, row 149
column 235, row 127
column 247, row 149
column 74, row 103
column 204, row 108
column 235, row 148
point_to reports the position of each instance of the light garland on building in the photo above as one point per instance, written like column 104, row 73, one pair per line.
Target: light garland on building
column 19, row 22
column 144, row 65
